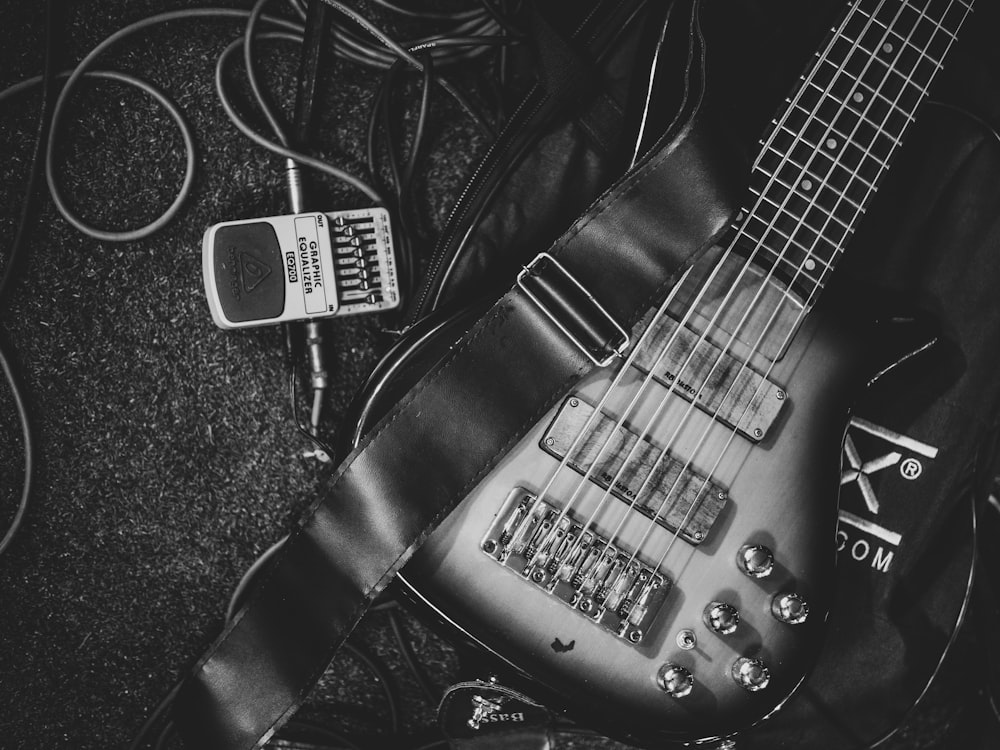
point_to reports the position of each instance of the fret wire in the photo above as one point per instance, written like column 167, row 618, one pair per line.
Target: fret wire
column 922, row 15
column 849, row 106
column 778, row 256
column 784, row 184
column 923, row 59
column 786, row 235
column 836, row 174
column 864, row 151
column 795, row 275
column 951, row 38
column 663, row 556
column 853, row 88
column 794, row 216
column 791, row 160
column 898, row 94
column 829, row 128
column 809, row 78
column 937, row 23
column 922, row 52
column 872, row 92
column 875, row 22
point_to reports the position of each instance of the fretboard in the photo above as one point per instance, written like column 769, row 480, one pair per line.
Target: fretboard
column 823, row 160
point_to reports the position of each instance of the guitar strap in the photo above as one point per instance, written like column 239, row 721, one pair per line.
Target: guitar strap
column 567, row 310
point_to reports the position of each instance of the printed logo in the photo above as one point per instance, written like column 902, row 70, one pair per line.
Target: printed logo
column 252, row 271
column 871, row 546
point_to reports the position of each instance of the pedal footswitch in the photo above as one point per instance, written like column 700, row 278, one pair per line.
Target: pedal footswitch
column 299, row 267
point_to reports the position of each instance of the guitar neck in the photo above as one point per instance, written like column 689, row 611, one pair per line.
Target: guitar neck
column 826, row 153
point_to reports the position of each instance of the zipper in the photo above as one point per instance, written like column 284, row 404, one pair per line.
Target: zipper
column 473, row 188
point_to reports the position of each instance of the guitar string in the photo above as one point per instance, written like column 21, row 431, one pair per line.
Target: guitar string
column 542, row 494
column 554, row 527
column 569, row 555
column 872, row 188
column 830, row 216
column 585, row 428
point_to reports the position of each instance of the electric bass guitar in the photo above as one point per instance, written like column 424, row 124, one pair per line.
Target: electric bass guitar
column 658, row 550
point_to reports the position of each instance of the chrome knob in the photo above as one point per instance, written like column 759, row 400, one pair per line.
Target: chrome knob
column 756, row 560
column 722, row 618
column 750, row 674
column 674, row 680
column 790, row 608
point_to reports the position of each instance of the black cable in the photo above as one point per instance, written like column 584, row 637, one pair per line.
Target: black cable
column 403, row 53
column 460, row 15
column 418, row 133
column 250, row 66
column 82, row 69
column 470, row 39
column 25, row 222
column 502, row 19
column 277, row 148
column 30, row 205
column 29, row 446
column 299, row 425
column 411, row 658
column 363, row 53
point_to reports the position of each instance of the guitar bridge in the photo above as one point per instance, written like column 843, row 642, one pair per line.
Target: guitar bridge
column 578, row 566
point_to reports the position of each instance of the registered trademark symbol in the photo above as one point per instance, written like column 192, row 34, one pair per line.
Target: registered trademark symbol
column 911, row 468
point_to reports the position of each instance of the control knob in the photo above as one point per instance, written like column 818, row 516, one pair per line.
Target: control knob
column 722, row 618
column 756, row 560
column 790, row 608
column 674, row 680
column 750, row 674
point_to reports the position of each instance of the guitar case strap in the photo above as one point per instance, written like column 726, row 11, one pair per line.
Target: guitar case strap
column 568, row 309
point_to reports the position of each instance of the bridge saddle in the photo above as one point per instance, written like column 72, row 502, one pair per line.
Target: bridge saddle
column 578, row 566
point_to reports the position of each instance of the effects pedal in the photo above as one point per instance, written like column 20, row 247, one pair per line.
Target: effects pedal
column 303, row 266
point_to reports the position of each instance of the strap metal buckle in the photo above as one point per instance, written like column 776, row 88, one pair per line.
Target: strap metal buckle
column 573, row 309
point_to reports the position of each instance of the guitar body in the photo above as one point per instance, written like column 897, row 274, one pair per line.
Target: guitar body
column 781, row 494
column 656, row 555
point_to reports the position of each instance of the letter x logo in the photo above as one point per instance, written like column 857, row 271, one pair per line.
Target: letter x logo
column 859, row 470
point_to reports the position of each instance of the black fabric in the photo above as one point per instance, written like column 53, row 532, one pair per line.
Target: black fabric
column 905, row 571
column 406, row 475
column 931, row 245
column 549, row 150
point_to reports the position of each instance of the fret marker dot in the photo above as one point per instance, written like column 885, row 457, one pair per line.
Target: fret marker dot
column 858, row 97
column 806, row 185
column 888, row 48
column 831, row 143
column 810, row 264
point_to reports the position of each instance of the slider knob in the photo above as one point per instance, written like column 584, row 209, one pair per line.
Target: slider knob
column 756, row 560
column 674, row 680
column 750, row 674
column 790, row 608
column 722, row 618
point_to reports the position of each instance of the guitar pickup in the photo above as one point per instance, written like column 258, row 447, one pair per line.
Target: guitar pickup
column 720, row 384
column 675, row 496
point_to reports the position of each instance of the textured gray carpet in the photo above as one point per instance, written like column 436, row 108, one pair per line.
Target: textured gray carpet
column 167, row 461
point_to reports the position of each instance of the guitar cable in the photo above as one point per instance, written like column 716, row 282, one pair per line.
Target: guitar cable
column 351, row 46
column 29, row 212
column 402, row 180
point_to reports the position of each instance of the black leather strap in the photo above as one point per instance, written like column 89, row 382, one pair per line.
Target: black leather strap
column 441, row 439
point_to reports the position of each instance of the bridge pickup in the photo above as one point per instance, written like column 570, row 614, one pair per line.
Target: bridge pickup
column 723, row 386
column 676, row 497
column 577, row 566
